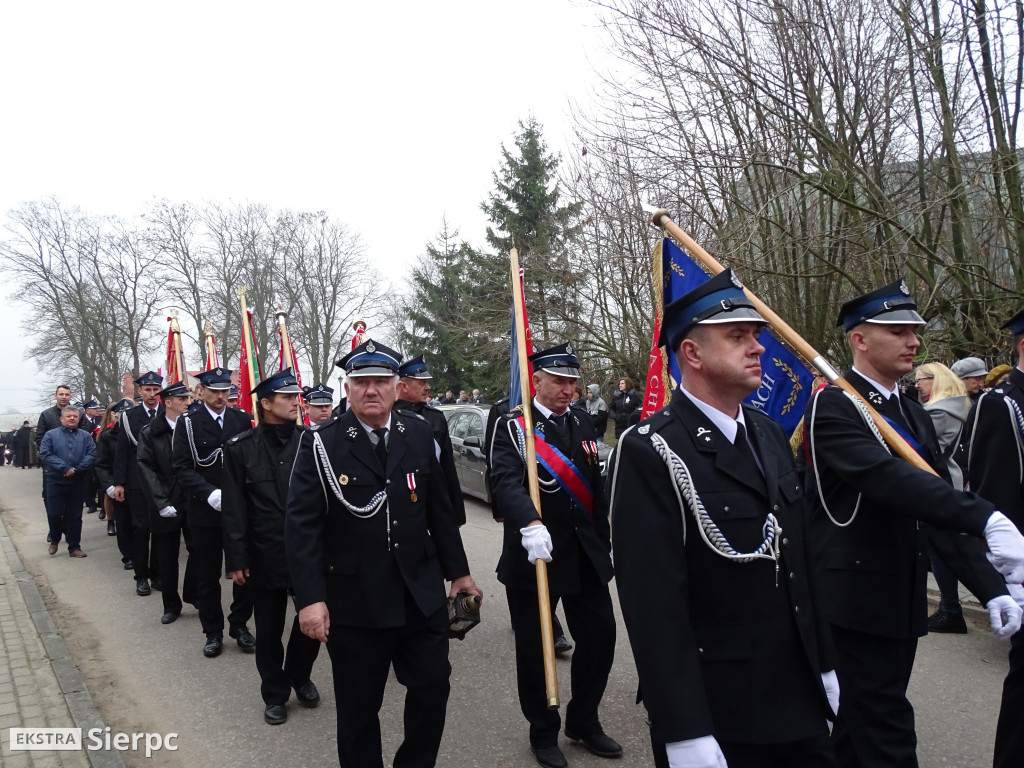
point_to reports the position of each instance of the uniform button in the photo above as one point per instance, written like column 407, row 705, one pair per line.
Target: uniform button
column 394, row 523
column 785, row 541
column 796, row 609
column 330, row 569
column 798, row 487
column 776, row 508
column 792, row 575
column 725, row 509
column 856, row 562
column 396, row 545
column 387, row 482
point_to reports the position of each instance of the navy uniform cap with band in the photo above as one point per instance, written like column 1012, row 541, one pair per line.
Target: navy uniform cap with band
column 318, row 394
column 216, row 378
column 123, row 406
column 281, row 383
column 177, row 389
column 718, row 300
column 415, row 368
column 94, row 403
column 233, row 393
column 371, row 359
column 1015, row 324
column 560, row 361
column 889, row 305
column 150, row 378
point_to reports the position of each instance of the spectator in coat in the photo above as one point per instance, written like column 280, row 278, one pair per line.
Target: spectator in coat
column 625, row 402
column 67, row 454
column 598, row 410
column 21, row 445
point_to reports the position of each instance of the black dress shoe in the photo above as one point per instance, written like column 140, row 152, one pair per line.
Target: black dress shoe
column 244, row 639
column 947, row 623
column 170, row 617
column 550, row 757
column 156, row 585
column 91, row 511
column 600, row 743
column 111, row 528
column 307, row 694
column 142, row 588
column 103, row 514
column 562, row 646
column 275, row 714
column 129, row 565
column 214, row 645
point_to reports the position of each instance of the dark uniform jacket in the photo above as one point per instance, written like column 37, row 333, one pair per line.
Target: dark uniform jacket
column 875, row 568
column 197, row 458
column 48, row 419
column 439, row 427
column 157, row 476
column 126, row 460
column 996, row 456
column 257, row 467
column 573, row 534
column 731, row 649
column 364, row 567
column 106, row 448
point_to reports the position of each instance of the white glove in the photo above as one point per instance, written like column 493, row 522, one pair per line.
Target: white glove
column 168, row 511
column 110, row 491
column 702, row 752
column 214, row 500
column 831, row 683
column 1006, row 547
column 537, row 543
column 1004, row 613
column 1017, row 593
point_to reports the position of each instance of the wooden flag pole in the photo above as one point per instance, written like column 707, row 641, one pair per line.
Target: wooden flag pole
column 179, row 359
column 211, row 348
column 547, row 636
column 286, row 348
column 660, row 219
column 247, row 336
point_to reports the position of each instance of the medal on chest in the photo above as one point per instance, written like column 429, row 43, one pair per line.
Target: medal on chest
column 410, row 480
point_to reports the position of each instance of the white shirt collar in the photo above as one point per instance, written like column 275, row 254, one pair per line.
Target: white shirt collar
column 886, row 393
column 546, row 412
column 213, row 414
column 726, row 424
column 368, row 428
column 169, row 421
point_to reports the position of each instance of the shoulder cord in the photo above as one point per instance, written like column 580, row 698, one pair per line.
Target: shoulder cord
column 327, row 473
column 863, row 411
column 128, row 429
column 713, row 537
column 209, row 460
column 1017, row 418
column 548, row 486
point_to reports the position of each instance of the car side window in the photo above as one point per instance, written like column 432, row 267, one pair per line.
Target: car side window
column 461, row 427
column 475, row 428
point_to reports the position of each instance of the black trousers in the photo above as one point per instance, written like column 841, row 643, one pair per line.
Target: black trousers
column 189, row 585
column 809, row 753
column 166, row 546
column 875, row 725
column 280, row 670
column 142, row 556
column 93, row 500
column 208, row 554
column 125, row 530
column 360, row 659
column 591, row 621
column 1009, row 748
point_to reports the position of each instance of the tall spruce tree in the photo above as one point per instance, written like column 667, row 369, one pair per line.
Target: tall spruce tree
column 526, row 213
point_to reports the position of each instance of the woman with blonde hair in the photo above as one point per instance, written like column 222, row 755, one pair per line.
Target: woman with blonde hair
column 944, row 397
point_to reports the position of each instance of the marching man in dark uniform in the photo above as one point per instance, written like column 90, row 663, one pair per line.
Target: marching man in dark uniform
column 128, row 485
column 197, row 447
column 996, row 472
column 413, row 394
column 712, row 561
column 257, row 466
column 573, row 537
column 370, row 541
column 90, row 422
column 869, row 507
column 166, row 500
column 319, row 401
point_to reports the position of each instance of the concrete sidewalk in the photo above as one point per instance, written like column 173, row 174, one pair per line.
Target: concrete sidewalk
column 40, row 686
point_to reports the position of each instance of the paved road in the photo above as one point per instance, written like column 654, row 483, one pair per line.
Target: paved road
column 146, row 677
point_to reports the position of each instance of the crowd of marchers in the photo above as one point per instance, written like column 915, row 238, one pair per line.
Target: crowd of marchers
column 773, row 601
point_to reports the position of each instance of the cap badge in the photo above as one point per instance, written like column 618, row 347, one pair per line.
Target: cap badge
column 736, row 281
column 370, row 348
column 218, row 372
column 568, row 348
column 903, row 288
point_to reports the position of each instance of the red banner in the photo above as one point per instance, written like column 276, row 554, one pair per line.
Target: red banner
column 654, row 391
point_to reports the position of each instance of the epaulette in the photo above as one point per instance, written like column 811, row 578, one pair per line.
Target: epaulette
column 411, row 414
column 240, row 436
column 653, row 423
column 322, row 425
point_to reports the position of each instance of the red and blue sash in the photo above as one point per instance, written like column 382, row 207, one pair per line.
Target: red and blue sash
column 562, row 469
column 912, row 441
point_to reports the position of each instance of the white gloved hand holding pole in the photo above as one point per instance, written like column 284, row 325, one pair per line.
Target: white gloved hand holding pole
column 169, row 511
column 537, row 543
column 702, row 752
column 214, row 500
column 1004, row 614
column 1006, row 547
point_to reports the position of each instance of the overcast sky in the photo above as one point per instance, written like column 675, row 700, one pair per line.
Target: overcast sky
column 387, row 116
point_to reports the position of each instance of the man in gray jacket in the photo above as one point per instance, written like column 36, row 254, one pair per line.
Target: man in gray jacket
column 66, row 454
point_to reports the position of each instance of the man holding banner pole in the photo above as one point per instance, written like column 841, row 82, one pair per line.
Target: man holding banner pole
column 573, row 538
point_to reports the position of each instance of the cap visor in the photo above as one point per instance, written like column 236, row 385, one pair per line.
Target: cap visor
column 898, row 317
column 289, row 389
column 569, row 373
column 737, row 315
column 375, row 370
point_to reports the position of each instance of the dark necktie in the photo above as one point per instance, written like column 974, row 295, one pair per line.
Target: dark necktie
column 744, row 447
column 220, row 422
column 381, row 449
column 150, row 413
column 558, row 421
column 893, row 411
